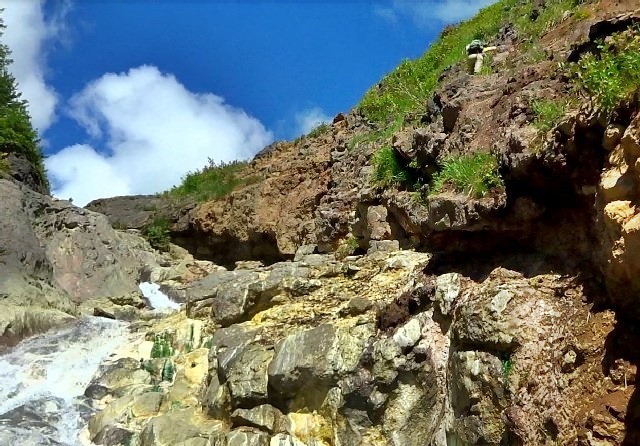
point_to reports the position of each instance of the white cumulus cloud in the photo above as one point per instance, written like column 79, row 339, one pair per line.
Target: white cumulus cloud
column 26, row 34
column 310, row 118
column 151, row 130
column 430, row 13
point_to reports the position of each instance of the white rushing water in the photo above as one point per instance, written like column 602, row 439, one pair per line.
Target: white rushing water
column 43, row 379
column 157, row 299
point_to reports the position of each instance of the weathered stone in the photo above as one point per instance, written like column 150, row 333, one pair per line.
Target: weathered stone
column 177, row 426
column 192, row 369
column 304, row 251
column 479, row 393
column 447, row 291
column 217, row 399
column 408, row 335
column 245, row 372
column 316, row 358
column 359, row 305
column 243, row 437
column 264, row 417
column 288, row 440
column 612, row 136
column 630, row 141
column 383, row 246
column 616, row 184
column 146, row 404
column 113, row 436
column 123, row 376
column 115, row 412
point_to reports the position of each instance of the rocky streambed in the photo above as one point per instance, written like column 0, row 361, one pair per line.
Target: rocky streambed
column 375, row 349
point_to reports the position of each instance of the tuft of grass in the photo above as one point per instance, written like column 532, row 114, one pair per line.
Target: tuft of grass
column 612, row 75
column 381, row 136
column 547, row 113
column 318, row 130
column 213, row 181
column 347, row 248
column 474, row 174
column 389, row 169
column 161, row 347
column 158, row 234
column 507, row 368
column 550, row 15
column 582, row 13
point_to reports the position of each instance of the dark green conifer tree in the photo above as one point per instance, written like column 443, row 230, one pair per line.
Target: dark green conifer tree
column 16, row 132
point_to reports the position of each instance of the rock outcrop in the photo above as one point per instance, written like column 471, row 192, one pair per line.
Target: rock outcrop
column 509, row 357
column 58, row 259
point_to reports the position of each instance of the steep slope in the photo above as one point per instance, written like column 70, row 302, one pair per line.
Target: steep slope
column 513, row 319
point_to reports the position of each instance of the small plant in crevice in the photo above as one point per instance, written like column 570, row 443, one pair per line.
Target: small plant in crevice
column 347, row 248
column 548, row 113
column 612, row 75
column 506, row 365
column 161, row 347
column 175, row 405
column 473, row 174
column 168, row 371
column 158, row 234
column 188, row 348
column 389, row 169
column 319, row 129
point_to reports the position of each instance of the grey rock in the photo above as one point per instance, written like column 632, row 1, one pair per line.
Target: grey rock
column 247, row 438
column 447, row 291
column 315, row 359
column 175, row 427
column 244, row 370
column 358, row 305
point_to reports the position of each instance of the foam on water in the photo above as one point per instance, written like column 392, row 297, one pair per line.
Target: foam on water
column 157, row 299
column 43, row 380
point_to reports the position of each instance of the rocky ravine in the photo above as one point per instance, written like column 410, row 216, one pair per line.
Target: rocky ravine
column 504, row 320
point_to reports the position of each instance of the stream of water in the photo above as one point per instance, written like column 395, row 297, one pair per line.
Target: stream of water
column 43, row 379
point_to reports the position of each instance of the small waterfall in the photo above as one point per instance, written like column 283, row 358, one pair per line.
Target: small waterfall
column 157, row 299
column 43, row 379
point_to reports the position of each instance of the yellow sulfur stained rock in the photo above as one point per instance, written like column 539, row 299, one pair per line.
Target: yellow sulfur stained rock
column 617, row 184
column 617, row 213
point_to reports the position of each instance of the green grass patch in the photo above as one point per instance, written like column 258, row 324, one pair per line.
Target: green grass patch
column 548, row 113
column 318, row 130
column 161, row 347
column 389, row 169
column 406, row 89
column 474, row 174
column 213, row 181
column 381, row 136
column 545, row 19
column 158, row 234
column 613, row 74
column 347, row 248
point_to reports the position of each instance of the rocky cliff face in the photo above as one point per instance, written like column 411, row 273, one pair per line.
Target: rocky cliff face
column 58, row 261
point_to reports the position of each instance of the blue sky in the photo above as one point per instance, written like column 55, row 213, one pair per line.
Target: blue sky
column 130, row 95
